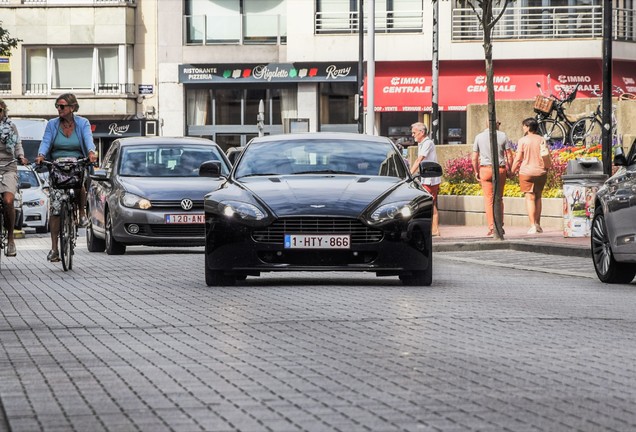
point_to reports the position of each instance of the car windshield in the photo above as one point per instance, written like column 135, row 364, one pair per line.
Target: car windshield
column 317, row 156
column 176, row 160
column 28, row 176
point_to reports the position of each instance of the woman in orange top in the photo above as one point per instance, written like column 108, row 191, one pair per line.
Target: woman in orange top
column 533, row 171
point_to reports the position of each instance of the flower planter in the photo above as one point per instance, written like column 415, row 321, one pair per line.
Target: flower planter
column 469, row 210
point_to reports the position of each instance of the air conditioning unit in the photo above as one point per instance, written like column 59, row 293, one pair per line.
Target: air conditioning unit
column 151, row 128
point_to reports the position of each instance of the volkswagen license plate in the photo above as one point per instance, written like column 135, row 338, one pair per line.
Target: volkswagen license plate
column 190, row 218
column 317, row 241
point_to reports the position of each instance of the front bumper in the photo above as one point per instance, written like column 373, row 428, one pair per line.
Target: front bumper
column 149, row 228
column 232, row 248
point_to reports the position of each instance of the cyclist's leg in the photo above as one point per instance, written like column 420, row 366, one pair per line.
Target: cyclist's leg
column 9, row 219
column 80, row 203
column 55, row 202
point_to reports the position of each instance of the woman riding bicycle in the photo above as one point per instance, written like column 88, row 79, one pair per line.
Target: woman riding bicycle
column 10, row 148
column 68, row 136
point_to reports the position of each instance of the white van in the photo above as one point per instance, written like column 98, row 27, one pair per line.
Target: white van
column 31, row 132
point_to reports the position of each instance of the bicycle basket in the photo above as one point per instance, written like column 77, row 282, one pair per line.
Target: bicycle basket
column 543, row 105
column 66, row 175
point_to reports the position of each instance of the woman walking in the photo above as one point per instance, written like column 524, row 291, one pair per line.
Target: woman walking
column 532, row 161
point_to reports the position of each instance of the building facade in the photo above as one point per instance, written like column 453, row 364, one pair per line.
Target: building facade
column 214, row 68
column 103, row 51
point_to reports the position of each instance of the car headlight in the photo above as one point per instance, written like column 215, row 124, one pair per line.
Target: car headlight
column 396, row 210
column 242, row 210
column 35, row 203
column 134, row 201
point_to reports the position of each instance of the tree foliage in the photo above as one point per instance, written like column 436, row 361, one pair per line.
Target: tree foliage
column 7, row 43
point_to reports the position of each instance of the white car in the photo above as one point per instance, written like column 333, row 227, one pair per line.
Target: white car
column 35, row 200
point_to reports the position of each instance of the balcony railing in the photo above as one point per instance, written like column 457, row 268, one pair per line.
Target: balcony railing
column 562, row 22
column 385, row 22
column 559, row 22
column 235, row 29
column 102, row 88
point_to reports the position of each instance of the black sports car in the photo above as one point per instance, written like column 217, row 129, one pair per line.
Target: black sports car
column 319, row 202
column 614, row 225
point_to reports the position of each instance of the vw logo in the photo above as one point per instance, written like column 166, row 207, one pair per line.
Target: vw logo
column 186, row 204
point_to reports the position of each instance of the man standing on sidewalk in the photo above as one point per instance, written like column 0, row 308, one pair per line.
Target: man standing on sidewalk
column 426, row 151
column 482, row 165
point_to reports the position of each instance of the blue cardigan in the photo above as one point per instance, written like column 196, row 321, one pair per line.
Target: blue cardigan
column 82, row 130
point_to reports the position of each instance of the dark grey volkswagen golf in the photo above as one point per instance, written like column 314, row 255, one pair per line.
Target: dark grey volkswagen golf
column 319, row 202
column 147, row 191
column 614, row 225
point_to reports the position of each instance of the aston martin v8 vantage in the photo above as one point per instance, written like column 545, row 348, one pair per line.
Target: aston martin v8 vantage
column 319, row 202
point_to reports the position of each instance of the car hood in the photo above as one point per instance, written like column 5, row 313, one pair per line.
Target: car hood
column 32, row 194
column 337, row 195
column 169, row 188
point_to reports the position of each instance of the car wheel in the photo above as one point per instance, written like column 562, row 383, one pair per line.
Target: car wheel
column 113, row 247
column 93, row 243
column 418, row 278
column 607, row 268
column 217, row 277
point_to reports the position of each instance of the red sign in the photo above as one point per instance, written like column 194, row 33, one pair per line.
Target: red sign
column 407, row 86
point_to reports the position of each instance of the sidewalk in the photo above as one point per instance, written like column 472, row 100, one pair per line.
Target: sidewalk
column 470, row 238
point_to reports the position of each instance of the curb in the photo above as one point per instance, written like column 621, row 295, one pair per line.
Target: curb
column 522, row 246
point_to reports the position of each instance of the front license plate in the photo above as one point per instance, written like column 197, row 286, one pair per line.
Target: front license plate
column 317, row 241
column 185, row 218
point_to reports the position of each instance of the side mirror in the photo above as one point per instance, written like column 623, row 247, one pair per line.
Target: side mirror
column 619, row 157
column 430, row 169
column 210, row 169
column 99, row 175
column 25, row 185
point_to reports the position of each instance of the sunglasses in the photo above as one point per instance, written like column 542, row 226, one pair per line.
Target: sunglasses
column 61, row 106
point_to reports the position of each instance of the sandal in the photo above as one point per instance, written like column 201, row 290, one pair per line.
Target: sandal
column 10, row 252
column 53, row 256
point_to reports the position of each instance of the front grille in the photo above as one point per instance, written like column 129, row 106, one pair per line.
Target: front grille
column 181, row 230
column 176, row 204
column 275, row 233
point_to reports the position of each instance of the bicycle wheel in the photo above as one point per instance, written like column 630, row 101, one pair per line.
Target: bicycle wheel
column 586, row 131
column 66, row 239
column 552, row 131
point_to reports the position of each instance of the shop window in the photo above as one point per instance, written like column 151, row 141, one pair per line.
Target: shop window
column 234, row 106
column 337, row 103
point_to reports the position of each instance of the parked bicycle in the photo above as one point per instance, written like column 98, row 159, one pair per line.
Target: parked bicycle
column 587, row 130
column 66, row 175
column 554, row 124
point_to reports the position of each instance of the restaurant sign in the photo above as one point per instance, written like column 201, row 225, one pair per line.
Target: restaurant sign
column 268, row 72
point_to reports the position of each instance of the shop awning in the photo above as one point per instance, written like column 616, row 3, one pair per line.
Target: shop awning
column 407, row 86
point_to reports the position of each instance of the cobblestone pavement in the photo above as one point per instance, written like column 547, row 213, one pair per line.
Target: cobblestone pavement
column 139, row 343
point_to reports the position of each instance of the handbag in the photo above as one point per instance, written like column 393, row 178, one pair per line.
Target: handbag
column 66, row 174
column 545, row 154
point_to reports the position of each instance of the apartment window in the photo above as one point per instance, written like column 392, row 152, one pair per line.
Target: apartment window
column 103, row 69
column 235, row 21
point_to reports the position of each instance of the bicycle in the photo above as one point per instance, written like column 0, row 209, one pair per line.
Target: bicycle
column 66, row 175
column 587, row 130
column 554, row 124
